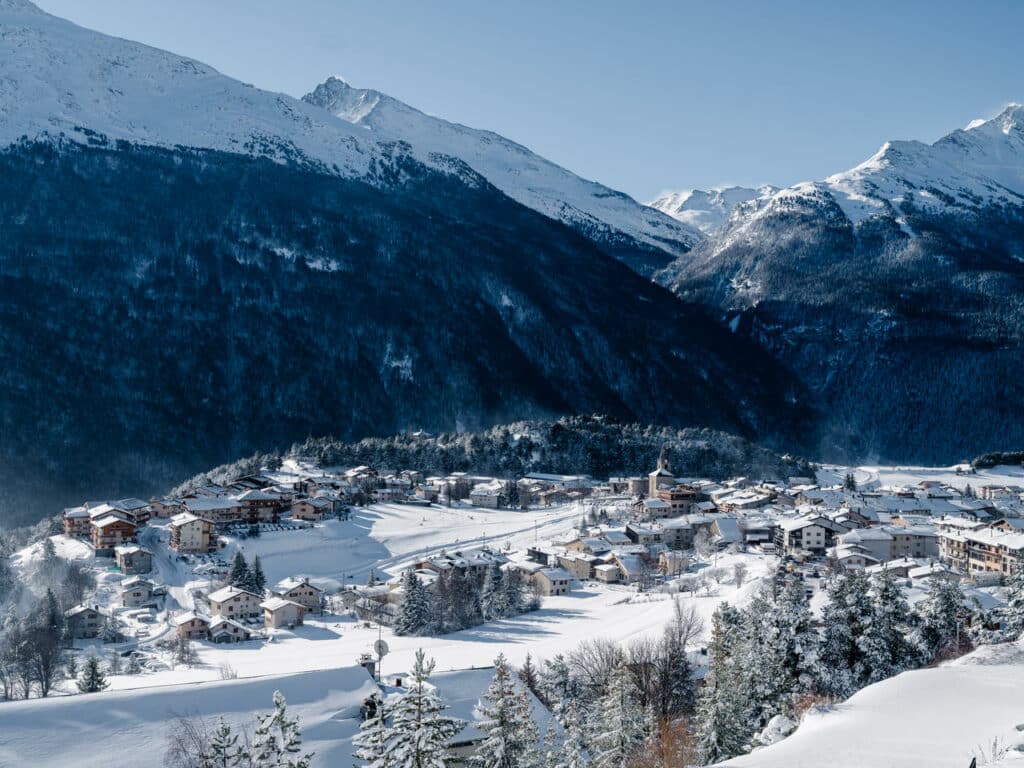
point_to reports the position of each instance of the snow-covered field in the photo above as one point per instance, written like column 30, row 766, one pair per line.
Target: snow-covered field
column 869, row 477
column 930, row 718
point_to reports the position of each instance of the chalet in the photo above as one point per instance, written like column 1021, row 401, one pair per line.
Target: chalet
column 217, row 509
column 76, row 522
column 224, row 630
column 551, row 581
column 133, row 559
column 192, row 626
column 672, row 563
column 645, row 535
column 192, row 534
column 302, row 592
column 488, row 495
column 258, row 506
column 813, row 533
column 85, row 621
column 851, row 558
column 234, row 603
column 137, row 510
column 680, row 498
column 278, row 612
column 677, row 533
column 313, row 509
column 607, row 572
column 471, row 562
column 580, row 564
column 136, row 592
column 653, row 508
column 110, row 532
column 876, row 542
column 166, row 508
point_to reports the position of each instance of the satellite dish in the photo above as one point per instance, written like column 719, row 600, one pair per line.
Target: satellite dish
column 380, row 648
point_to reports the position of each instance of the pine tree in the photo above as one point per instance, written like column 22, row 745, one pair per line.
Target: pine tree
column 621, row 723
column 223, row 750
column 238, row 576
column 257, row 579
column 92, row 679
column 676, row 689
column 278, row 739
column 528, row 676
column 572, row 753
column 492, row 595
column 557, row 687
column 939, row 619
column 841, row 666
column 372, row 741
column 886, row 643
column 514, row 601
column 420, row 732
column 506, row 720
column 414, row 613
column 723, row 709
column 1013, row 613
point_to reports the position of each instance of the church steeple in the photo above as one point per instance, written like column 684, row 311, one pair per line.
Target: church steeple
column 663, row 458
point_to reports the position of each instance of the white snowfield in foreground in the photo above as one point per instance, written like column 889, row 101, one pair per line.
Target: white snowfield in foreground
column 930, row 718
column 128, row 729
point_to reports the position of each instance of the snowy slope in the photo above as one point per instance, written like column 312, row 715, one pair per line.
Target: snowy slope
column 512, row 168
column 57, row 78
column 128, row 729
column 707, row 210
column 929, row 718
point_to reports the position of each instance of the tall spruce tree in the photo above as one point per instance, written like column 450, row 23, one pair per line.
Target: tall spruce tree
column 887, row 643
column 620, row 724
column 506, row 720
column 257, row 579
column 223, row 750
column 840, row 664
column 278, row 739
column 372, row 741
column 493, row 601
column 937, row 630
column 414, row 613
column 92, row 679
column 420, row 730
column 723, row 709
column 239, row 576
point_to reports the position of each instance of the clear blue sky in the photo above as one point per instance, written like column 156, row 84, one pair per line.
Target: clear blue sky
column 640, row 96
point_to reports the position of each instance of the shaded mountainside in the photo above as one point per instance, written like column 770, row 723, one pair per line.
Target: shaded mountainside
column 905, row 323
column 165, row 310
column 593, row 445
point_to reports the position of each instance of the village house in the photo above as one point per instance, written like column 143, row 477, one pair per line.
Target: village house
column 607, row 572
column 192, row 626
column 166, row 508
column 258, row 506
column 300, row 591
column 471, row 562
column 217, row 509
column 672, row 563
column 278, row 612
column 85, row 621
column 680, row 498
column 136, row 592
column 580, row 564
column 488, row 495
column 223, row 630
column 813, row 533
column 136, row 510
column 851, row 557
column 313, row 509
column 76, row 522
column 110, row 532
column 551, row 581
column 876, row 542
column 645, row 535
column 191, row 534
column 133, row 559
column 234, row 603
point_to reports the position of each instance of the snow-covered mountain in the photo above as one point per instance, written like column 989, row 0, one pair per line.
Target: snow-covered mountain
column 192, row 268
column 57, row 78
column 707, row 210
column 602, row 214
column 886, row 288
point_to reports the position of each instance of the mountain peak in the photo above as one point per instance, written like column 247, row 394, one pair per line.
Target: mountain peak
column 19, row 6
column 337, row 96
